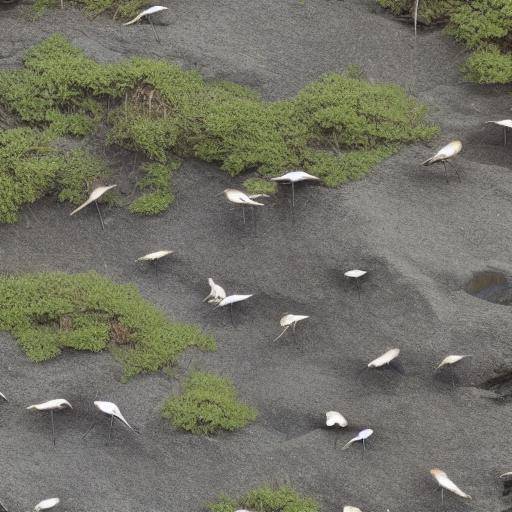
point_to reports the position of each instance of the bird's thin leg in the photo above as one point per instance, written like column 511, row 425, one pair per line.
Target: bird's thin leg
column 446, row 172
column 154, row 29
column 110, row 429
column 504, row 135
column 358, row 286
column 293, row 194
column 53, row 428
column 243, row 213
column 455, row 169
column 89, row 429
column 231, row 314
column 442, row 496
column 99, row 213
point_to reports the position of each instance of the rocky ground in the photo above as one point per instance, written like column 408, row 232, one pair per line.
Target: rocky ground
column 419, row 237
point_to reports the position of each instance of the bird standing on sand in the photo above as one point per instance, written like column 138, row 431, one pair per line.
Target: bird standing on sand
column 388, row 359
column 362, row 436
column 445, row 155
column 52, row 405
column 46, row 504
column 288, row 321
column 241, row 198
column 449, row 361
column 154, row 257
column 3, row 397
column 112, row 410
column 335, row 418
column 295, row 177
column 506, row 124
column 148, row 13
column 93, row 198
column 356, row 275
column 445, row 483
column 230, row 300
column 217, row 293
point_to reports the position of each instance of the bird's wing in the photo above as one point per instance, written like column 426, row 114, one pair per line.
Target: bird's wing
column 448, row 484
column 121, row 417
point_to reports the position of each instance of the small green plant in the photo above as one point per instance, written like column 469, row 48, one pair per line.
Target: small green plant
column 48, row 312
column 267, row 499
column 260, row 186
column 123, row 9
column 208, row 404
column 484, row 26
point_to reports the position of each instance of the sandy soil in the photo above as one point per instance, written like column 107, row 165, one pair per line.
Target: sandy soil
column 419, row 237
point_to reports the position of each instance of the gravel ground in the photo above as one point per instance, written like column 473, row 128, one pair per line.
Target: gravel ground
column 420, row 238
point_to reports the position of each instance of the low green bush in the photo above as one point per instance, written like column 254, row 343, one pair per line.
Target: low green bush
column 208, row 404
column 47, row 312
column 260, row 186
column 338, row 127
column 484, row 26
column 267, row 499
column 123, row 9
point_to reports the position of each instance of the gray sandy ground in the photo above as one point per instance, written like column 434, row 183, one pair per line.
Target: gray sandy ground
column 419, row 237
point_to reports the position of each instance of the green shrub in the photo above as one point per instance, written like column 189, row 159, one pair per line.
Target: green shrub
column 208, row 404
column 267, row 499
column 260, row 186
column 124, row 9
column 47, row 312
column 482, row 25
column 338, row 127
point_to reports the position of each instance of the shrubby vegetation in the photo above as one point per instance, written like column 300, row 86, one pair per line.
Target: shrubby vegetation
column 260, row 186
column 267, row 499
column 208, row 404
column 484, row 26
column 124, row 9
column 48, row 312
column 337, row 128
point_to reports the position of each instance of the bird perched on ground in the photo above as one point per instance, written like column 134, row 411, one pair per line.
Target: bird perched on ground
column 335, row 418
column 445, row 483
column 242, row 199
column 293, row 177
column 93, row 198
column 57, row 404
column 217, row 293
column 506, row 124
column 46, row 504
column 445, row 155
column 146, row 12
column 348, row 508
column 3, row 397
column 388, row 359
column 288, row 321
column 362, row 436
column 112, row 410
column 154, row 256
column 449, row 360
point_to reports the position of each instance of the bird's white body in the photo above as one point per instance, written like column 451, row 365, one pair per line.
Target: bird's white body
column 445, row 153
column 239, row 197
column 94, row 196
column 52, row 405
column 335, row 418
column 507, row 123
column 154, row 256
column 385, row 358
column 146, row 12
column 295, row 176
column 364, row 434
column 443, row 480
column 448, row 360
column 355, row 274
column 47, row 504
column 348, row 508
column 112, row 410
column 289, row 319
column 217, row 293
column 231, row 299
column 508, row 473
column 4, row 397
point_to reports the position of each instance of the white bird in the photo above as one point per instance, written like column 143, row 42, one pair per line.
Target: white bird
column 230, row 300
column 445, row 483
column 241, row 198
column 335, row 418
column 3, row 396
column 449, row 360
column 506, row 123
column 217, row 293
column 57, row 404
column 348, row 508
column 355, row 275
column 445, row 154
column 154, row 257
column 385, row 358
column 508, row 473
column 47, row 504
column 364, row 434
column 146, row 12
column 288, row 321
column 112, row 410
column 293, row 177
column 93, row 198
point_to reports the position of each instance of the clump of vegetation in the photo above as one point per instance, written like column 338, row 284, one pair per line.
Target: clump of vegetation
column 484, row 26
column 337, row 128
column 260, row 186
column 208, row 404
column 47, row 312
column 267, row 499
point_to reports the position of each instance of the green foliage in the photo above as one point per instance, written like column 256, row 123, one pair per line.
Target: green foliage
column 260, row 186
column 47, row 312
column 482, row 25
column 124, row 9
column 157, row 188
column 338, row 127
column 267, row 499
column 208, row 404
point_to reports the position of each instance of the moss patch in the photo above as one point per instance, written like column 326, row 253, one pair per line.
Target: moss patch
column 260, row 186
column 484, row 26
column 208, row 404
column 47, row 312
column 337, row 128
column 267, row 499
